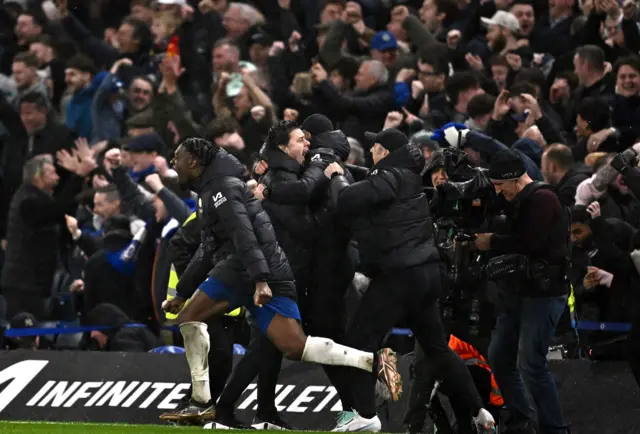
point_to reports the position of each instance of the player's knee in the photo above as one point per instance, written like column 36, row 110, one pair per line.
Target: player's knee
column 293, row 349
column 293, row 352
column 184, row 316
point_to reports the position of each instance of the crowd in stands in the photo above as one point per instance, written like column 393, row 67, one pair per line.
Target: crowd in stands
column 95, row 96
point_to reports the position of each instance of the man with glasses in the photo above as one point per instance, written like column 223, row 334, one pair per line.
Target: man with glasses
column 427, row 92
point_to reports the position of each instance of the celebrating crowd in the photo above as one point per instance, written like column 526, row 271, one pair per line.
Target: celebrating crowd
column 159, row 151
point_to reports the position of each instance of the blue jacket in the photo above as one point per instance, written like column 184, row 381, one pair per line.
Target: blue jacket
column 107, row 115
column 78, row 113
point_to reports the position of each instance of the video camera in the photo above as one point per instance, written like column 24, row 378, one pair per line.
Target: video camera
column 466, row 200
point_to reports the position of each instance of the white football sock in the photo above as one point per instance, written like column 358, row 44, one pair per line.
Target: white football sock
column 196, row 345
column 327, row 352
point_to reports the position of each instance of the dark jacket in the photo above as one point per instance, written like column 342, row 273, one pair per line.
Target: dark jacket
column 143, row 208
column 626, row 119
column 393, row 222
column 605, row 89
column 580, row 152
column 19, row 148
column 540, row 231
column 35, row 233
column 554, row 40
column 334, row 258
column 237, row 234
column 614, row 204
column 527, row 149
column 103, row 54
column 106, row 284
column 294, row 225
column 505, row 129
column 281, row 89
column 570, row 181
column 120, row 338
column 361, row 111
column 608, row 249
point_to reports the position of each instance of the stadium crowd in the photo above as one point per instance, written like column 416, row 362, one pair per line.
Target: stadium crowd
column 97, row 96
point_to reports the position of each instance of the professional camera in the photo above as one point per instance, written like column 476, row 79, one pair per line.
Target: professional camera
column 465, row 200
column 465, row 205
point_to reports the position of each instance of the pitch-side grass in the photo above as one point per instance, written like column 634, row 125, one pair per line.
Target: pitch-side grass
column 96, row 428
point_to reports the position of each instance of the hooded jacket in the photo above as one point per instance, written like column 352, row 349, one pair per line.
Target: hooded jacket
column 237, row 235
column 392, row 227
column 120, row 338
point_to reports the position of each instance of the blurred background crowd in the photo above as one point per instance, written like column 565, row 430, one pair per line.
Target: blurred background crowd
column 95, row 96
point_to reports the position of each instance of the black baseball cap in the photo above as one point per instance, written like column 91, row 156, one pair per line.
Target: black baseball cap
column 390, row 139
column 23, row 320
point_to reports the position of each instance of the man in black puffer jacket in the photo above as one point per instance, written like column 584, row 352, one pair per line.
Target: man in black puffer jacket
column 295, row 231
column 334, row 257
column 249, row 269
column 294, row 225
column 397, row 252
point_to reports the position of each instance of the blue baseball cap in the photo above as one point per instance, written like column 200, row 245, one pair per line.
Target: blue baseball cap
column 383, row 41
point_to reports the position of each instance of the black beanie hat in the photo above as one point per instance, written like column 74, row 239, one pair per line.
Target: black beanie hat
column 316, row 124
column 390, row 139
column 506, row 165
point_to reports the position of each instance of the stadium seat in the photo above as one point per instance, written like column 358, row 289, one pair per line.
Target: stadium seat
column 69, row 341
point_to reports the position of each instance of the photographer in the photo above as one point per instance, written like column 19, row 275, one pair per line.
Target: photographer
column 536, row 299
column 468, row 313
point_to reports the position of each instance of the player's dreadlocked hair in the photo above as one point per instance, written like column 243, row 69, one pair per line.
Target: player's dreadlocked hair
column 279, row 133
column 203, row 150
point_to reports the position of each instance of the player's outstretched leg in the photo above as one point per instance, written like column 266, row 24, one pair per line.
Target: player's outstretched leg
column 286, row 334
column 196, row 345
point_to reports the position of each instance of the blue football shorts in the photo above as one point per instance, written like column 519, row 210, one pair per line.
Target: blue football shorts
column 283, row 306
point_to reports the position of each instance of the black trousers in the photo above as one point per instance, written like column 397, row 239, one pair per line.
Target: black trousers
column 262, row 359
column 325, row 313
column 220, row 354
column 411, row 294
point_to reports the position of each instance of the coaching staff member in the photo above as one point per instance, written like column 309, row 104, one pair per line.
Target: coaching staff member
column 395, row 241
column 533, row 305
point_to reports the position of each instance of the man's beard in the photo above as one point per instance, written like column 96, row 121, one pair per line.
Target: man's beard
column 499, row 44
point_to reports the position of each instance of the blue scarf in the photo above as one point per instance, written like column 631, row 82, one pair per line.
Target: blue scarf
column 124, row 260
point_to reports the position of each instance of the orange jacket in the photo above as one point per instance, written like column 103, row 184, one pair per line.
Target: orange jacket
column 472, row 357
